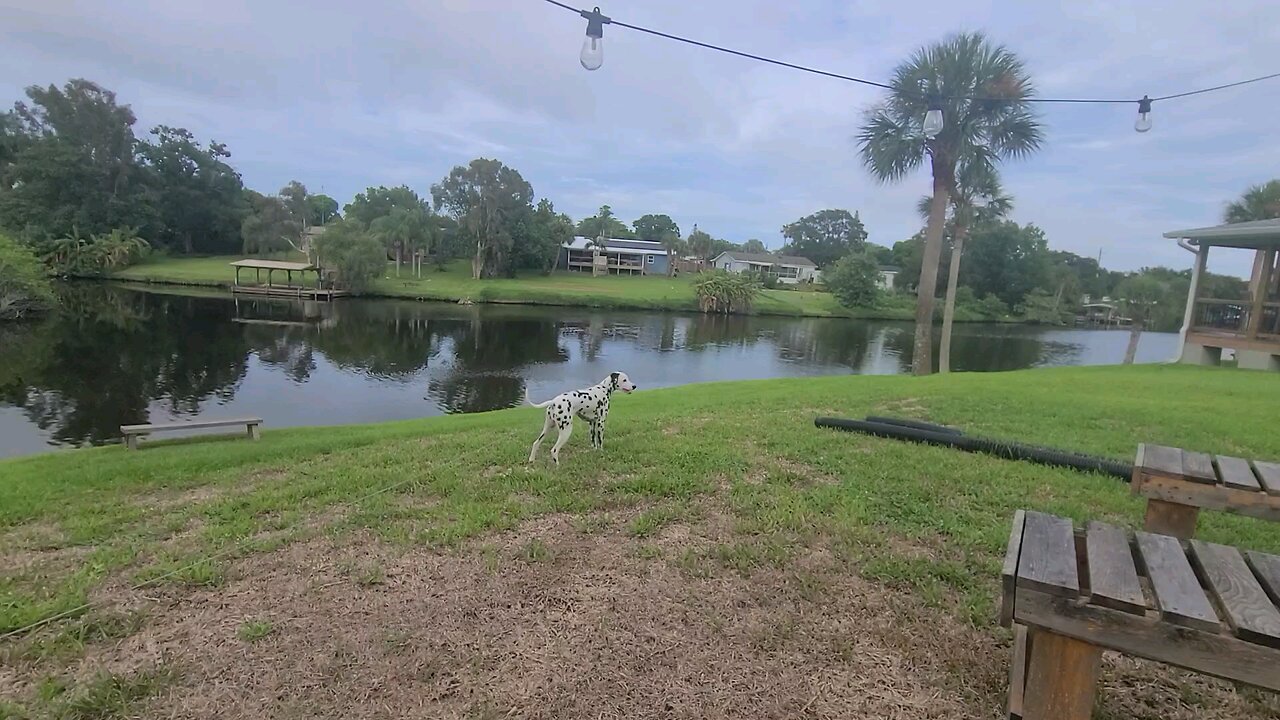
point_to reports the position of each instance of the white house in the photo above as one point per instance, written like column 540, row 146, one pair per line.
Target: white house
column 643, row 257
column 888, row 276
column 789, row 269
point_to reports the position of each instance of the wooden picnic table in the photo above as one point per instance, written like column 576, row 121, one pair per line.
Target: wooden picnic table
column 1074, row 593
column 1177, row 483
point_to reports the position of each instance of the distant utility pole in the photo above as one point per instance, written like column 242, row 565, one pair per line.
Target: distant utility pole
column 1099, row 257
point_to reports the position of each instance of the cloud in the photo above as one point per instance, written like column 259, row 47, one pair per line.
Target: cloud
column 342, row 96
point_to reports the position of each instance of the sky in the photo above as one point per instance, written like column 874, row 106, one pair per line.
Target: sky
column 343, row 95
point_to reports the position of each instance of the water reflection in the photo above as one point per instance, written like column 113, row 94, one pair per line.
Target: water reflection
column 115, row 355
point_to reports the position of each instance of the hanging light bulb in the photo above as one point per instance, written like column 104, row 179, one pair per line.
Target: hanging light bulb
column 592, row 55
column 933, row 122
column 1143, row 123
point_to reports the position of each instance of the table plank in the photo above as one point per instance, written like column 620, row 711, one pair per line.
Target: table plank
column 1178, row 594
column 1161, row 460
column 1267, row 568
column 1113, row 579
column 1048, row 558
column 1198, row 467
column 1237, row 473
column 1268, row 475
column 1246, row 606
column 1009, row 573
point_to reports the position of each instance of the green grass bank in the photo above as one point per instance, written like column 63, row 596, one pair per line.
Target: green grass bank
column 740, row 462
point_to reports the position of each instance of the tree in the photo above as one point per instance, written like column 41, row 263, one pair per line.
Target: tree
column 720, row 291
column 603, row 224
column 199, row 197
column 24, row 288
column 674, row 246
column 654, row 227
column 321, row 209
column 403, row 231
column 999, row 125
column 854, row 280
column 75, row 168
column 977, row 196
column 547, row 232
column 825, row 237
column 699, row 243
column 1007, row 260
column 349, row 250
column 755, row 246
column 376, row 202
column 490, row 201
column 1140, row 294
column 269, row 226
column 1259, row 202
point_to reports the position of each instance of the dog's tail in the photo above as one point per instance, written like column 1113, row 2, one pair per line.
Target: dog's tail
column 527, row 401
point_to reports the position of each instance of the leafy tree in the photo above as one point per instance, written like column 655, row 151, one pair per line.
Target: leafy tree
column 24, row 288
column 490, row 201
column 199, row 197
column 321, row 209
column 403, row 231
column 854, row 280
column 603, row 224
column 376, row 202
column 824, row 237
column 654, row 227
column 1000, row 125
column 878, row 253
column 352, row 253
column 76, row 167
column 1006, row 260
column 700, row 243
column 1259, row 202
column 1040, row 306
column 1140, row 294
column 546, row 233
column 755, row 246
column 675, row 246
column 269, row 226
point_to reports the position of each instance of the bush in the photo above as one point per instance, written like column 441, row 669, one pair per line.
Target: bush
column 352, row 254
column 720, row 291
column 854, row 280
column 24, row 286
column 98, row 254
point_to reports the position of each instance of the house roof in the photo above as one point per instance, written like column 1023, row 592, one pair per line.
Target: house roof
column 889, row 268
column 639, row 247
column 767, row 259
column 273, row 265
column 1252, row 234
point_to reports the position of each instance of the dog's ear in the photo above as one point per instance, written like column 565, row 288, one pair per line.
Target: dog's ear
column 613, row 380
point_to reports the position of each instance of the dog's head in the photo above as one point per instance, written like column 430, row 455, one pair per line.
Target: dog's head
column 620, row 381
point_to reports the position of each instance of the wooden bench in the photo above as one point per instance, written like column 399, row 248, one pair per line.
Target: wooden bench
column 1177, row 483
column 133, row 432
column 1076, row 593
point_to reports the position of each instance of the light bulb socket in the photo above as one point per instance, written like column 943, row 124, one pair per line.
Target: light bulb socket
column 1144, row 105
column 595, row 22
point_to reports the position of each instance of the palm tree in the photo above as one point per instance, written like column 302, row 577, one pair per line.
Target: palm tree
column 674, row 244
column 987, row 119
column 1260, row 202
column 977, row 198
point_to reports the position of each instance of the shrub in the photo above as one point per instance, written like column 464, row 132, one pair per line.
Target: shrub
column 854, row 280
column 720, row 291
column 24, row 286
column 96, row 255
column 352, row 254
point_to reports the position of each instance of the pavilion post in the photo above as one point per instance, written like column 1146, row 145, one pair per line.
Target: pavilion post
column 1260, row 292
column 1193, row 292
column 237, row 276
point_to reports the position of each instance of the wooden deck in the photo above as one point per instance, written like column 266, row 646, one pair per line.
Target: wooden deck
column 305, row 293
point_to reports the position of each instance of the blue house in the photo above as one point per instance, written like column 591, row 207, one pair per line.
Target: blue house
column 632, row 257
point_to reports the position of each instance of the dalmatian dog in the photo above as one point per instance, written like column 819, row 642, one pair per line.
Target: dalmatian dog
column 590, row 404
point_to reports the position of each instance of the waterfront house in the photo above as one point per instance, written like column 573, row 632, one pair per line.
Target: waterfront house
column 632, row 257
column 789, row 269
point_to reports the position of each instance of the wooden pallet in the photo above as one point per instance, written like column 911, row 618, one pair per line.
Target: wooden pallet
column 1177, row 483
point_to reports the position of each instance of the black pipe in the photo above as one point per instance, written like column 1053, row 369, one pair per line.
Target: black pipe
column 999, row 448
column 915, row 424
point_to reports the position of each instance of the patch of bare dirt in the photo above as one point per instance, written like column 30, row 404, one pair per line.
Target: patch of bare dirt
column 551, row 622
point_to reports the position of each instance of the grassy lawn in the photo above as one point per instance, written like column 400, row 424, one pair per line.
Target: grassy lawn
column 561, row 288
column 719, row 529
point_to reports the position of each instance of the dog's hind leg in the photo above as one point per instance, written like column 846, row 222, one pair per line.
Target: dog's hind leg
column 565, row 430
column 546, row 427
